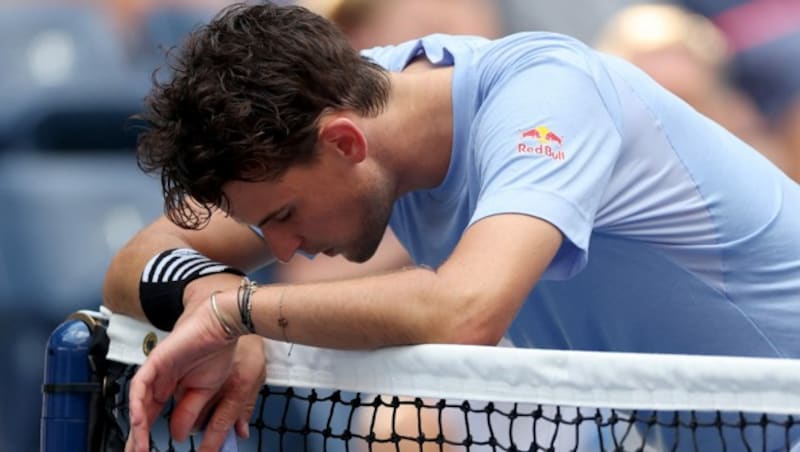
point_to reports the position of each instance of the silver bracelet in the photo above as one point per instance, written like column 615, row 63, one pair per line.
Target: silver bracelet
column 224, row 323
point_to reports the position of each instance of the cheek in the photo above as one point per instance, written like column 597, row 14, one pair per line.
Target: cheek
column 320, row 223
column 333, row 218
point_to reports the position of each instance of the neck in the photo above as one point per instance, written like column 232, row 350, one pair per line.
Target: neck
column 413, row 136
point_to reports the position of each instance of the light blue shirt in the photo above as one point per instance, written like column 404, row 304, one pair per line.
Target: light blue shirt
column 679, row 238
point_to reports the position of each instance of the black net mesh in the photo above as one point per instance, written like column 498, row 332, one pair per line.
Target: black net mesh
column 289, row 419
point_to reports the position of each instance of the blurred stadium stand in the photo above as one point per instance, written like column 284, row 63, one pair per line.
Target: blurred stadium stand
column 62, row 66
column 765, row 40
column 168, row 26
column 69, row 186
column 64, row 216
column 51, row 45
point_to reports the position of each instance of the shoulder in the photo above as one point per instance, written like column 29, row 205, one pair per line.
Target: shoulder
column 542, row 52
column 440, row 49
column 519, row 48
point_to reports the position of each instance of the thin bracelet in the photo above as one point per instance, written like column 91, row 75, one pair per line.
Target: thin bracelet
column 243, row 300
column 224, row 323
column 283, row 322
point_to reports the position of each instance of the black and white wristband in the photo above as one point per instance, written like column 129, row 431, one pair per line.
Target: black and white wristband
column 165, row 277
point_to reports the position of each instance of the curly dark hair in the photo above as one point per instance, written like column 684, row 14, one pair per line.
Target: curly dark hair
column 243, row 103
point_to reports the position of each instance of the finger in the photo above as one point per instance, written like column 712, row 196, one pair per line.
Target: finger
column 221, row 422
column 249, row 350
column 246, row 413
column 188, row 410
column 143, row 408
column 243, row 427
column 139, row 434
column 205, row 414
column 202, row 418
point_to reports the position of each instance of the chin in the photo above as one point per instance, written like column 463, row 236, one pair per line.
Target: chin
column 358, row 258
column 361, row 255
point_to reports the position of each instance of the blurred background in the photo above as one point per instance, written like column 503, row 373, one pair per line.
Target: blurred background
column 72, row 72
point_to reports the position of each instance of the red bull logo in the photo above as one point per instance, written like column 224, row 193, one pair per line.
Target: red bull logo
column 541, row 140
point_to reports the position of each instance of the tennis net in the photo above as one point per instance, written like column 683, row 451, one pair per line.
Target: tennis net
column 442, row 397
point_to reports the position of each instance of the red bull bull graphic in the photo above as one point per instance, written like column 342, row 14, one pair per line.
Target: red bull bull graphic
column 540, row 140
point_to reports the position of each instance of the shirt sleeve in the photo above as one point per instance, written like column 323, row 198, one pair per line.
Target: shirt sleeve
column 546, row 145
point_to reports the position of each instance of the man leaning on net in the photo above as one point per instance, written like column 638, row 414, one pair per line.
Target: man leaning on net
column 547, row 192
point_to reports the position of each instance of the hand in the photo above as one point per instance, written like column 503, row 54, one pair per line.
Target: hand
column 195, row 358
column 212, row 374
column 233, row 403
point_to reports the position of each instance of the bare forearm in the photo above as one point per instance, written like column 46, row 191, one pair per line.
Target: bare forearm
column 121, row 284
column 471, row 298
column 362, row 313
column 222, row 240
column 352, row 314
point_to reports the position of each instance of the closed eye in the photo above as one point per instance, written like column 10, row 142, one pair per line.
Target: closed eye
column 283, row 215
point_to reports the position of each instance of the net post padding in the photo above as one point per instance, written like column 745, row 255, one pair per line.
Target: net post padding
column 502, row 374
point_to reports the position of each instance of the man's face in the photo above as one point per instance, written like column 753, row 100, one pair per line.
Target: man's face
column 330, row 206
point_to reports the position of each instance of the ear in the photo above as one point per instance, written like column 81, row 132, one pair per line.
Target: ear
column 343, row 136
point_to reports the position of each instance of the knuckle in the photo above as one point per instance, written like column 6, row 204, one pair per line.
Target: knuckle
column 219, row 423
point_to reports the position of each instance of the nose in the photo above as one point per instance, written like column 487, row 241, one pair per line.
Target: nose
column 282, row 243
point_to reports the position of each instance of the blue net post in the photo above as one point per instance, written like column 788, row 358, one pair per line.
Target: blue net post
column 66, row 399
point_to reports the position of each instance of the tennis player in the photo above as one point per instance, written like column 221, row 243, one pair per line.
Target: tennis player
column 546, row 191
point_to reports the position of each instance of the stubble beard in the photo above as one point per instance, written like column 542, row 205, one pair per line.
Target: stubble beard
column 378, row 209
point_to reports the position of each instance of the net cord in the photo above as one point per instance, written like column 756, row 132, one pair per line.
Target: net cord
column 506, row 374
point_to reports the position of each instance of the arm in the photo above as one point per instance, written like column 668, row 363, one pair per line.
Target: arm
column 240, row 370
column 471, row 299
column 222, row 240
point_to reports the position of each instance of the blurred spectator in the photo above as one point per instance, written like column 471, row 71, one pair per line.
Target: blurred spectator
column 147, row 27
column 69, row 185
column 63, row 70
column 764, row 36
column 371, row 23
column 142, row 26
column 688, row 55
column 581, row 19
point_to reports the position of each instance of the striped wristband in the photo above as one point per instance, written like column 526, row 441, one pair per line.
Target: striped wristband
column 165, row 277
